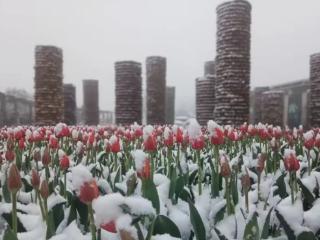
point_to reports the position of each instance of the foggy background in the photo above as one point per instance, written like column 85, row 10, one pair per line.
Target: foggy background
column 95, row 33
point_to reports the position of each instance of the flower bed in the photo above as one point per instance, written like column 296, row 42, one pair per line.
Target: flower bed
column 159, row 182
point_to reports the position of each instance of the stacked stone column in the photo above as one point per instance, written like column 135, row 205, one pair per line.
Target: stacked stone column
column 128, row 92
column 91, row 102
column 272, row 103
column 48, row 85
column 232, row 88
column 315, row 90
column 205, row 94
column 170, row 105
column 156, row 89
column 69, row 92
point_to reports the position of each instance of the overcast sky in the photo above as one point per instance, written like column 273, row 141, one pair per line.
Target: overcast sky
column 95, row 33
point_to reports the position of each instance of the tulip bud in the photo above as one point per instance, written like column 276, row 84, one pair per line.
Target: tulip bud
column 14, row 179
column 10, row 155
column 225, row 170
column 37, row 154
column 245, row 181
column 291, row 162
column 64, row 163
column 10, row 144
column 46, row 159
column 35, row 179
column 261, row 160
column 44, row 189
column 21, row 144
column 88, row 192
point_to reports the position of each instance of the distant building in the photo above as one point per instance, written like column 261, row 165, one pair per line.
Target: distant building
column 106, row 117
column 170, row 104
column 295, row 105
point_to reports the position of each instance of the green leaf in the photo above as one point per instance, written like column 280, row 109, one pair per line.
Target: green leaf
column 234, row 189
column 27, row 186
column 139, row 232
column 220, row 235
column 251, row 231
column 307, row 196
column 8, row 218
column 165, row 225
column 50, row 225
column 58, row 214
column 185, row 195
column 149, row 191
column 131, row 184
column 192, row 177
column 82, row 209
column 265, row 229
column 6, row 193
column 173, row 179
column 9, row 235
column 72, row 213
column 306, row 235
column 281, row 187
column 197, row 223
column 285, row 225
column 220, row 214
column 116, row 179
column 179, row 187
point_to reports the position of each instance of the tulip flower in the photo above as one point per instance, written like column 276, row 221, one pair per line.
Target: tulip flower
column 14, row 184
column 292, row 165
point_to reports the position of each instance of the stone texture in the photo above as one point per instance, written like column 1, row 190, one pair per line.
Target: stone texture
column 70, row 106
column 232, row 88
column 156, row 89
column 48, row 81
column 91, row 102
column 128, row 92
column 170, row 104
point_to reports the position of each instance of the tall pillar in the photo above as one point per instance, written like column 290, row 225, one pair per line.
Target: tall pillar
column 91, row 102
column 128, row 92
column 232, row 88
column 156, row 89
column 48, row 81
column 315, row 90
column 170, row 105
column 69, row 95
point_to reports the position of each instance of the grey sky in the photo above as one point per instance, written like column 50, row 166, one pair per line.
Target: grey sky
column 96, row 33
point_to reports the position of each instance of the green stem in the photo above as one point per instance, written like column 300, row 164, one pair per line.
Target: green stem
column 92, row 225
column 65, row 185
column 292, row 190
column 309, row 167
column 14, row 213
column 41, row 205
column 199, row 173
column 227, row 196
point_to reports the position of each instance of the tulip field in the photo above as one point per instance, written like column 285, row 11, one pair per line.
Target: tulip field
column 159, row 182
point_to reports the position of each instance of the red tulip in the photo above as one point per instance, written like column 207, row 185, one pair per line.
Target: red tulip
column 225, row 170
column 64, row 163
column 88, row 192
column 179, row 135
column 198, row 143
column 145, row 173
column 35, row 179
column 217, row 137
column 114, row 144
column 46, row 159
column 291, row 162
column 44, row 189
column 110, row 227
column 14, row 179
column 150, row 144
column 10, row 155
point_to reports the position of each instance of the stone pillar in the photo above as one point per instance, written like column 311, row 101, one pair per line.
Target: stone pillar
column 70, row 106
column 273, row 106
column 232, row 88
column 315, row 90
column 48, row 81
column 91, row 102
column 128, row 92
column 156, row 89
column 170, row 105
